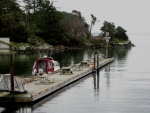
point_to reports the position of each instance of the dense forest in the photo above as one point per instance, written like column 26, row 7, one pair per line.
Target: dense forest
column 38, row 21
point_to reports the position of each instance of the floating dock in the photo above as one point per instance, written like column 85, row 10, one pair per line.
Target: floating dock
column 37, row 90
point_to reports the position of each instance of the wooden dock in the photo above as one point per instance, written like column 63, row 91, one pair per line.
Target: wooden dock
column 37, row 89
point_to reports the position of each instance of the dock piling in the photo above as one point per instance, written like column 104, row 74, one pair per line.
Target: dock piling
column 97, row 59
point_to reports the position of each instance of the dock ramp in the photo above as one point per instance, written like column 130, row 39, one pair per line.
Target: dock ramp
column 5, row 84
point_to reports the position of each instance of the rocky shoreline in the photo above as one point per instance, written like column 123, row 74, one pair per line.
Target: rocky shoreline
column 24, row 48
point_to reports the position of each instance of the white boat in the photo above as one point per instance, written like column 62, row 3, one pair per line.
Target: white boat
column 45, row 65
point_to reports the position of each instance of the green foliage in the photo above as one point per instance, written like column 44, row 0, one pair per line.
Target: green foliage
column 17, row 45
column 121, row 34
column 115, row 33
column 38, row 22
column 97, row 41
column 108, row 27
column 9, row 18
column 73, row 25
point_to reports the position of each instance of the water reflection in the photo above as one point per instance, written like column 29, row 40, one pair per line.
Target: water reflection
column 120, row 53
column 12, row 108
column 107, row 72
column 96, row 84
column 96, row 81
column 23, row 62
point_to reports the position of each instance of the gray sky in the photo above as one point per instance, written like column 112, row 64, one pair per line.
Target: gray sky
column 132, row 15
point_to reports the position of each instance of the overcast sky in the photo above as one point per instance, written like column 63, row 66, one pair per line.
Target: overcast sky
column 132, row 15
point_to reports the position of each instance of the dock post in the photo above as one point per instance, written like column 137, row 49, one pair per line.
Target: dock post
column 98, row 80
column 11, row 73
column 97, row 59
column 94, row 60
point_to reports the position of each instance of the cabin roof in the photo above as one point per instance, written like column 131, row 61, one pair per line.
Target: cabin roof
column 49, row 58
column 44, row 59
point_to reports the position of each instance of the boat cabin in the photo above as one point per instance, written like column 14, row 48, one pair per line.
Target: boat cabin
column 45, row 65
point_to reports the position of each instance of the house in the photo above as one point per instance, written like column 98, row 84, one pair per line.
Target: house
column 4, row 44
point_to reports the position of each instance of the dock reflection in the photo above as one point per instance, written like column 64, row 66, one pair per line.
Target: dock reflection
column 96, row 84
column 107, row 70
column 96, row 81
column 96, row 77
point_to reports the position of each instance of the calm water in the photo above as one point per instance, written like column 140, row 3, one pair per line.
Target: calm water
column 121, row 87
column 23, row 63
